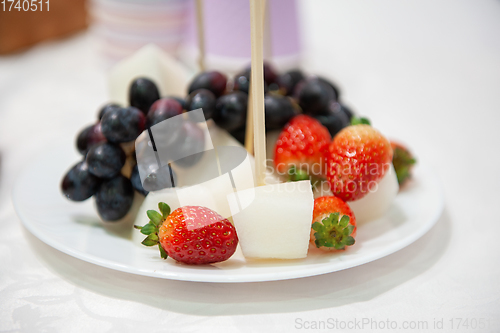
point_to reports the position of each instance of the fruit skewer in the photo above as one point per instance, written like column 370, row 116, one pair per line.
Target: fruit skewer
column 289, row 206
column 249, row 127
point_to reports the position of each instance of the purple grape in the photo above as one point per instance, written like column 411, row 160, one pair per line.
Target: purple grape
column 143, row 93
column 204, row 99
column 270, row 75
column 242, row 82
column 315, row 96
column 231, row 111
column 289, row 80
column 279, row 110
column 89, row 137
column 214, row 81
column 334, row 87
column 123, row 125
column 106, row 108
column 161, row 110
column 181, row 101
column 105, row 160
column 335, row 119
column 79, row 184
column 114, row 198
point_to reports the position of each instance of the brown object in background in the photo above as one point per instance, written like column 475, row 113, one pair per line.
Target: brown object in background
column 20, row 29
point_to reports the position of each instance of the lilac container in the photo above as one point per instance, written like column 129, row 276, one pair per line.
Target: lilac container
column 227, row 34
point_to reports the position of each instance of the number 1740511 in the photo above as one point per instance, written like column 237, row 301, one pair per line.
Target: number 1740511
column 25, row 5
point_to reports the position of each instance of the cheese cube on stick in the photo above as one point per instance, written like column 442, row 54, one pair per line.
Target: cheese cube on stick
column 274, row 221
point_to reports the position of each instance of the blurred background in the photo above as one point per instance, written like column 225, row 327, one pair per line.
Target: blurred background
column 21, row 29
column 121, row 27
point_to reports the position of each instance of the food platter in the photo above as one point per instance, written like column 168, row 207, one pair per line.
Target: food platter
column 75, row 229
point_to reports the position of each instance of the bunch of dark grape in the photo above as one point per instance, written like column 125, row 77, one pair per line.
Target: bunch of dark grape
column 287, row 95
column 108, row 170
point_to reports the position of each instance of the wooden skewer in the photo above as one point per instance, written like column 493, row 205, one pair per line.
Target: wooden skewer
column 268, row 45
column 257, row 88
column 249, row 129
column 201, row 34
column 268, row 53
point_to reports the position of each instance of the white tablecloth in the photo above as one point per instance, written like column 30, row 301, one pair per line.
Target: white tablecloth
column 426, row 72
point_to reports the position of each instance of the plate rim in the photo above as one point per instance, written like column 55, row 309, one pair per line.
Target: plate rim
column 227, row 278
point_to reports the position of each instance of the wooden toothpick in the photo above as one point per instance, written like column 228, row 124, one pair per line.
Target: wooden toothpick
column 249, row 128
column 257, row 88
column 201, row 34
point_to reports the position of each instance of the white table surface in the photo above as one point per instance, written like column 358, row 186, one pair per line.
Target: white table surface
column 425, row 71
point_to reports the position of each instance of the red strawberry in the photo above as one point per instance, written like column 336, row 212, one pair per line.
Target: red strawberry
column 334, row 224
column 403, row 162
column 192, row 234
column 300, row 146
column 358, row 156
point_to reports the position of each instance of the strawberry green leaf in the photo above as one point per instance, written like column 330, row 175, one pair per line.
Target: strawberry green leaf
column 331, row 220
column 317, row 227
column 297, row 174
column 155, row 217
column 319, row 242
column 163, row 253
column 164, row 209
column 403, row 162
column 149, row 229
column 137, row 227
column 339, row 246
column 344, row 221
column 149, row 242
column 360, row 121
column 349, row 241
column 333, row 233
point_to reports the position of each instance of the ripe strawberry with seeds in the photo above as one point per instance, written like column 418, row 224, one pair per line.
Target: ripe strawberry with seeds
column 403, row 162
column 299, row 148
column 192, row 234
column 357, row 158
column 334, row 224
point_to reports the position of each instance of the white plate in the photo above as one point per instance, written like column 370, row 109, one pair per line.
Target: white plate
column 74, row 229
